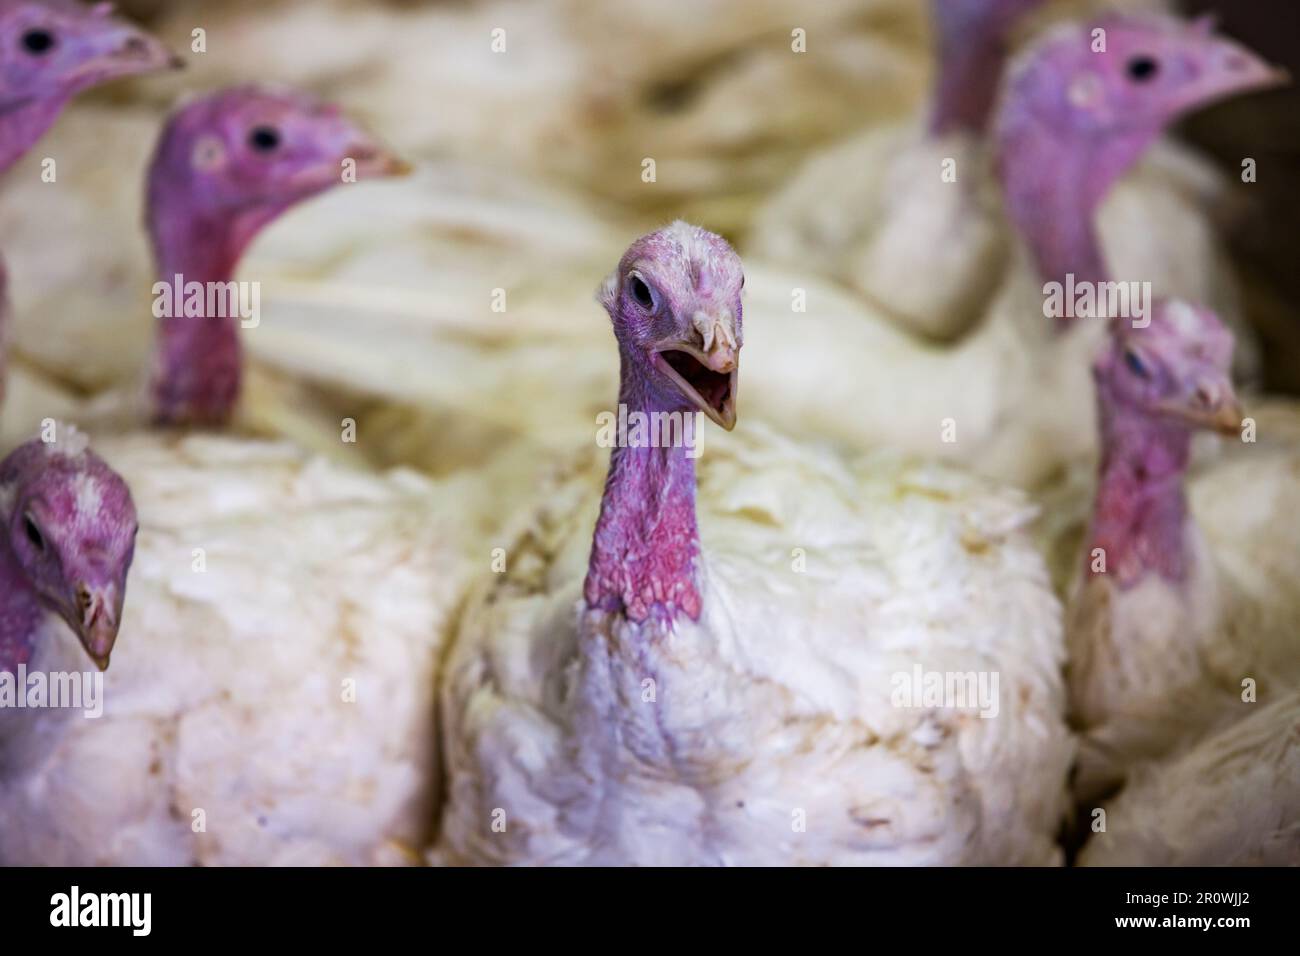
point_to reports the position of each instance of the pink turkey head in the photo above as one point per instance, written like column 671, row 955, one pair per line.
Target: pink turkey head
column 71, row 524
column 1178, row 368
column 675, row 304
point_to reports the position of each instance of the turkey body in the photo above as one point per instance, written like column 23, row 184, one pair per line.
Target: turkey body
column 1232, row 799
column 767, row 731
column 1157, row 668
column 928, row 245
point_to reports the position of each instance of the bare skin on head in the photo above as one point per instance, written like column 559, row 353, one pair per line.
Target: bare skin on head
column 1155, row 387
column 225, row 167
column 1075, row 119
column 67, row 539
column 675, row 306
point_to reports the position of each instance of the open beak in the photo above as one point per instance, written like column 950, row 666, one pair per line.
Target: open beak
column 100, row 612
column 706, row 377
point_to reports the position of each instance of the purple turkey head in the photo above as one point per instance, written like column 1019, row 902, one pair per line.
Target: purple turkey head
column 1177, row 369
column 1123, row 74
column 70, row 523
column 236, row 159
column 675, row 304
column 51, row 50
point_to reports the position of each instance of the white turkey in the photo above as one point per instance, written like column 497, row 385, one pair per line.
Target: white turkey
column 1184, row 611
column 736, row 691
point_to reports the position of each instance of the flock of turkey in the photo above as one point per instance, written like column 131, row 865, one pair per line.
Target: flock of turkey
column 373, row 594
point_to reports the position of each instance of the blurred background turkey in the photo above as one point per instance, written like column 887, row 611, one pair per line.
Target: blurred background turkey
column 541, row 148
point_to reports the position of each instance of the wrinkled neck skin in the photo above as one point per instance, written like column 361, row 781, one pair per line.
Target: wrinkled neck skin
column 1053, row 189
column 970, row 62
column 643, row 556
column 198, row 361
column 21, row 613
column 1140, row 514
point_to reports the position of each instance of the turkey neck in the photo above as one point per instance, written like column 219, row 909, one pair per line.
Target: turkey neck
column 22, row 123
column 198, row 360
column 971, row 49
column 1140, row 513
column 646, row 541
column 21, row 613
column 1053, row 186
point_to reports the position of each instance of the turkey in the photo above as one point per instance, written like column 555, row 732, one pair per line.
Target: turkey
column 876, row 211
column 909, row 214
column 665, row 692
column 1231, row 800
column 578, row 94
column 1014, row 395
column 271, row 695
column 1012, row 399
column 226, row 165
column 67, row 537
column 272, row 701
column 57, row 49
column 1171, row 621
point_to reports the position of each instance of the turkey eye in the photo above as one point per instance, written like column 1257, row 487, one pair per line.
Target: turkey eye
column 641, row 292
column 264, row 139
column 38, row 41
column 1143, row 68
column 33, row 534
column 1135, row 364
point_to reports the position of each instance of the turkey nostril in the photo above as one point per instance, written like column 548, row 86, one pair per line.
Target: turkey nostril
column 135, row 46
column 83, row 599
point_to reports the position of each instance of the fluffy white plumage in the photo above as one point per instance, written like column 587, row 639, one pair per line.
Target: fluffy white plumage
column 579, row 90
column 1231, row 800
column 1156, row 667
column 779, row 699
column 874, row 214
column 229, row 694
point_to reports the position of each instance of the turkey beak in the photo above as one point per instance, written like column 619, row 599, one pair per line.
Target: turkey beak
column 1227, row 420
column 1226, row 69
column 122, row 50
column 706, row 367
column 100, row 612
column 1212, row 404
column 374, row 161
